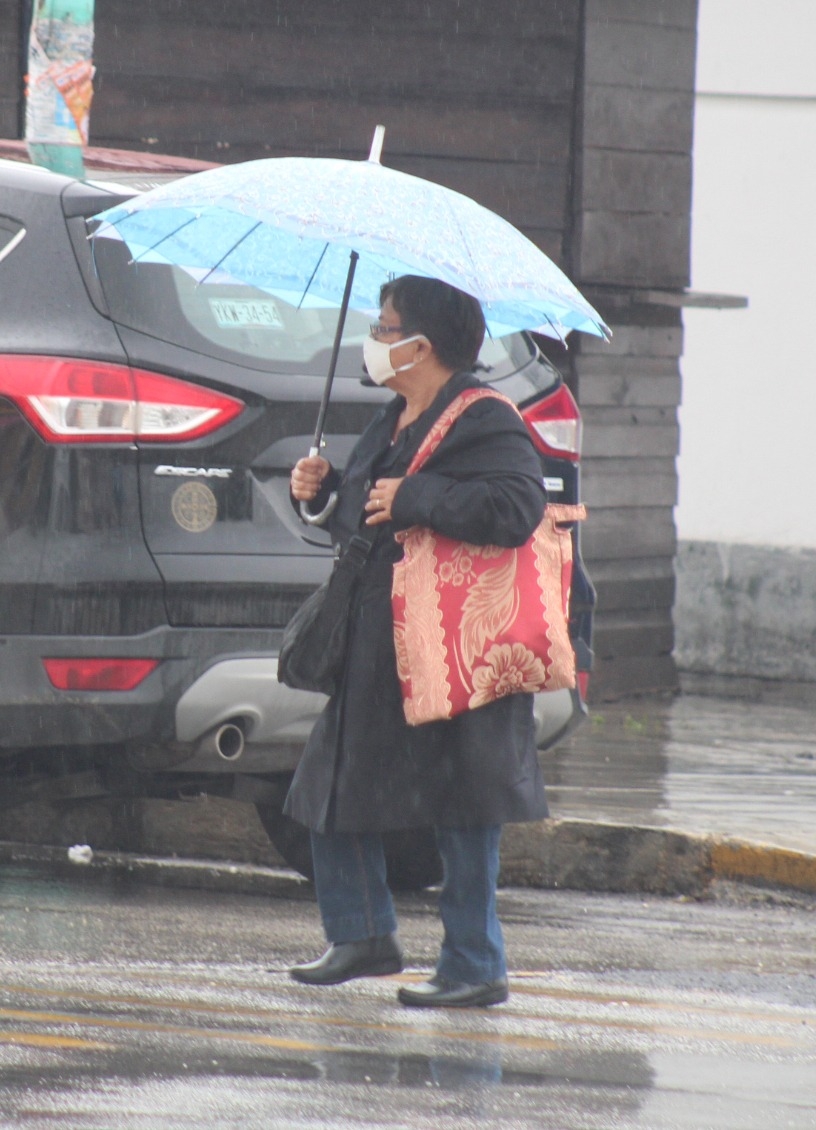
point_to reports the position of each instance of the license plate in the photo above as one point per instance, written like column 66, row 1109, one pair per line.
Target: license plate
column 240, row 313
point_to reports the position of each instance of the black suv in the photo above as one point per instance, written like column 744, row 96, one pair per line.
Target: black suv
column 150, row 553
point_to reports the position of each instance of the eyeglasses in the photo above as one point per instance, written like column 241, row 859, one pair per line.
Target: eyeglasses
column 380, row 331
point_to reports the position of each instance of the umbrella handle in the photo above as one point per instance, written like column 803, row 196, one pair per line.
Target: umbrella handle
column 318, row 519
column 305, row 513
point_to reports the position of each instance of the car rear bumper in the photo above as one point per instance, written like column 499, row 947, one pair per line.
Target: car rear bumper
column 205, row 678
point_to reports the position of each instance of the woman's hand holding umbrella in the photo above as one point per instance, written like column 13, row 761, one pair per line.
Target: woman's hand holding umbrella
column 307, row 477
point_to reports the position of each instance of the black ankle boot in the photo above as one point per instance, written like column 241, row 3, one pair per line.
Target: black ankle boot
column 439, row 993
column 343, row 961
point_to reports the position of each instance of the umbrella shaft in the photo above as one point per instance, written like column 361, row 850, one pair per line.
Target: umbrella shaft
column 317, row 442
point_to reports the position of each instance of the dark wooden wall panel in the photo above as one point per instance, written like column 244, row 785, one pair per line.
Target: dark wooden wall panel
column 629, row 181
column 608, row 378
column 629, row 391
column 634, row 632
column 623, row 532
column 620, row 482
column 634, row 161
column 10, row 85
column 635, row 673
column 478, row 97
column 631, row 235
column 636, row 51
column 629, row 432
column 643, row 250
column 625, row 117
column 661, row 13
column 348, row 47
column 649, row 583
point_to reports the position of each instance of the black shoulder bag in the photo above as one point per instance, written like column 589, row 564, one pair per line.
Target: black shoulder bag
column 313, row 652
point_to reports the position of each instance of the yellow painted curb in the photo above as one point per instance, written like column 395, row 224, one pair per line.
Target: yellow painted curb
column 736, row 859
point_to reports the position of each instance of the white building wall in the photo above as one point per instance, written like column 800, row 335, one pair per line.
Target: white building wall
column 746, row 516
column 748, row 450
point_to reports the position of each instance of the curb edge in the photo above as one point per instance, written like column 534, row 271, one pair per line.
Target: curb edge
column 548, row 855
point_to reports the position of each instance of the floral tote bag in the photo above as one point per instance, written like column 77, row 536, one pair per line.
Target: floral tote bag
column 475, row 622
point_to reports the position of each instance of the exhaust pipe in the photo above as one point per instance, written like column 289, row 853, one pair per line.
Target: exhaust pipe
column 225, row 741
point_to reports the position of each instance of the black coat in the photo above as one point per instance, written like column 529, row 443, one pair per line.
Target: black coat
column 364, row 768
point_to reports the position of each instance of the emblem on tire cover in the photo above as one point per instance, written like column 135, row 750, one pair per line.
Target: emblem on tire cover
column 194, row 507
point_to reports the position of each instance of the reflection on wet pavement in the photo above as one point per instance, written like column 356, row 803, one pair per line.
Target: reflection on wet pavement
column 214, row 1042
column 132, row 1006
column 705, row 765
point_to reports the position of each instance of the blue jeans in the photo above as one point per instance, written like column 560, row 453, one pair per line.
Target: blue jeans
column 355, row 901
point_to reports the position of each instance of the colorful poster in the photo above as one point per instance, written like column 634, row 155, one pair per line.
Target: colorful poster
column 60, row 83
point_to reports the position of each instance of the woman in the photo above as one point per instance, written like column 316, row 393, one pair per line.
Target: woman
column 365, row 770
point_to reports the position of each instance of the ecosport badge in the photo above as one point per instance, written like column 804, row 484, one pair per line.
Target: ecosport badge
column 194, row 507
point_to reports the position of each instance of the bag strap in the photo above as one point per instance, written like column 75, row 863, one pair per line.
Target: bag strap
column 557, row 512
column 444, row 422
column 359, row 546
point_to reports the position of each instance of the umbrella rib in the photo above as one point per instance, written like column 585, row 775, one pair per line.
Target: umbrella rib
column 227, row 254
column 163, row 239
column 466, row 246
column 465, row 242
column 561, row 337
column 312, row 275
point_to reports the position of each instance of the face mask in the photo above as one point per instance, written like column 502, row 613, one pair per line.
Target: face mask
column 377, row 357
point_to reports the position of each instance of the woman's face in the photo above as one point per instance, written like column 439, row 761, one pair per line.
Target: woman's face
column 406, row 350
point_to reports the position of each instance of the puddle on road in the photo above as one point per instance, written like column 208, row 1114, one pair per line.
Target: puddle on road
column 624, row 1069
column 627, row 1070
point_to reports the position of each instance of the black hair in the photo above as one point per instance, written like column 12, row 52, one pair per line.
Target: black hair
column 451, row 320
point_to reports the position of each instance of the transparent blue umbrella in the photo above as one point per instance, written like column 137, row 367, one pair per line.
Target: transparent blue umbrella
column 320, row 232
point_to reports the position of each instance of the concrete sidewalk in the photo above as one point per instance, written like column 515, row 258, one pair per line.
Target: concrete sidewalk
column 660, row 796
column 672, row 795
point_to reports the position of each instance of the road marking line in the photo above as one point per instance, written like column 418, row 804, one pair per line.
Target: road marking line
column 527, row 1043
column 160, row 1029
column 729, row 1008
column 38, row 1040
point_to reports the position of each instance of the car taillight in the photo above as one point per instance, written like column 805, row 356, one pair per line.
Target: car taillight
column 554, row 423
column 98, row 674
column 75, row 401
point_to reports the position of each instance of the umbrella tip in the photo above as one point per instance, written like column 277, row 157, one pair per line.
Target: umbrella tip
column 377, row 144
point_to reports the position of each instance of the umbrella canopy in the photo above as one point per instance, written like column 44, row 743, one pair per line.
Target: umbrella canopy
column 287, row 225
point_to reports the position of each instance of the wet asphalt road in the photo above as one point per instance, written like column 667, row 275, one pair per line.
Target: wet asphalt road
column 129, row 1006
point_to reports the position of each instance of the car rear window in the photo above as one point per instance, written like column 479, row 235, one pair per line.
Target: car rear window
column 243, row 325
